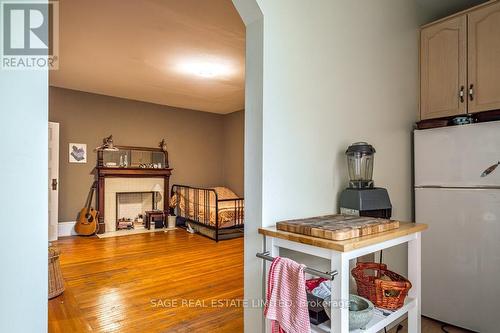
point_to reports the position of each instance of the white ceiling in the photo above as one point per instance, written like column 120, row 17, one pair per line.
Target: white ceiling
column 140, row 50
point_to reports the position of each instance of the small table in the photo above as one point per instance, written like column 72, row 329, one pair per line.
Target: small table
column 155, row 215
column 339, row 253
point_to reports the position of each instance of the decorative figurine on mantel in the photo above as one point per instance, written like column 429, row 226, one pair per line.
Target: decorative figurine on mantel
column 107, row 144
column 163, row 147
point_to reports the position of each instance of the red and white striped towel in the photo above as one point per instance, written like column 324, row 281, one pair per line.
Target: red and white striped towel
column 286, row 299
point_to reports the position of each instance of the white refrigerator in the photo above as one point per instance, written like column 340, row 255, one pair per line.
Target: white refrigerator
column 461, row 248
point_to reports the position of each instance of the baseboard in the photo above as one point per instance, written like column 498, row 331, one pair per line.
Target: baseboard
column 65, row 229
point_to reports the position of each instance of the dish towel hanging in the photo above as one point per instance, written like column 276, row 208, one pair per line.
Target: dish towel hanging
column 286, row 299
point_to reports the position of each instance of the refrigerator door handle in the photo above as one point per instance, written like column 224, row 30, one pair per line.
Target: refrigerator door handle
column 490, row 169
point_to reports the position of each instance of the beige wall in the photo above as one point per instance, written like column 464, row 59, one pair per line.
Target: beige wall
column 234, row 135
column 196, row 140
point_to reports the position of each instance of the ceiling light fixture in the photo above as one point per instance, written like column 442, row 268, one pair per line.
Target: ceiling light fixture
column 205, row 69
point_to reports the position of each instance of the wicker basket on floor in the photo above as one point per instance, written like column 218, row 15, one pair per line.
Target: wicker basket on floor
column 56, row 281
column 383, row 293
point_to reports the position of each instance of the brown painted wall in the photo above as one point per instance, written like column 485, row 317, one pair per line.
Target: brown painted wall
column 234, row 141
column 197, row 141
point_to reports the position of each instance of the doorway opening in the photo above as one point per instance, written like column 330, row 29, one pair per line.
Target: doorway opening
column 170, row 79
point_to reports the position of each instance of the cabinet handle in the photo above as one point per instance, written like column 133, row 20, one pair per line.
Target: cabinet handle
column 471, row 92
column 461, row 94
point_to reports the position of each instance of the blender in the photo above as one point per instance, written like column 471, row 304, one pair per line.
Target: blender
column 362, row 198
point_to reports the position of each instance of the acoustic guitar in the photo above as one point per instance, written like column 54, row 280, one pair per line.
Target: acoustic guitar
column 87, row 219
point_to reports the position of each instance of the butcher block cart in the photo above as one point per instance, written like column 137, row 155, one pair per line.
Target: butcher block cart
column 339, row 252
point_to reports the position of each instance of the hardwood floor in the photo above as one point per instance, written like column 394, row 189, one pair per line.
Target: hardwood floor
column 130, row 284
column 157, row 282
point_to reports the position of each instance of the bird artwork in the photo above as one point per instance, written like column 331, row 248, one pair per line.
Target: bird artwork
column 77, row 153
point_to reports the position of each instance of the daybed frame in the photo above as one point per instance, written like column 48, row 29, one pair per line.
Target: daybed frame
column 201, row 221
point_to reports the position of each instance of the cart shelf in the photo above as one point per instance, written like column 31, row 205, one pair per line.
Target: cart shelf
column 339, row 253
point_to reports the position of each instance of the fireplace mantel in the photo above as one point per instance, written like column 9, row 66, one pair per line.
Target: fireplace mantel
column 132, row 172
column 105, row 172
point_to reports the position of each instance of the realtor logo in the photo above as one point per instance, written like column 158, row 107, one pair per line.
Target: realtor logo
column 30, row 35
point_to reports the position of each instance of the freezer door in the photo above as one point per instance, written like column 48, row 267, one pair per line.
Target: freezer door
column 456, row 156
column 460, row 256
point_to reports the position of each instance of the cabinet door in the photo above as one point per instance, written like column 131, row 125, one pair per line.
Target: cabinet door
column 484, row 58
column 443, row 69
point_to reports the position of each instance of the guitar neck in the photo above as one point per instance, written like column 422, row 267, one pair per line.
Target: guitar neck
column 91, row 196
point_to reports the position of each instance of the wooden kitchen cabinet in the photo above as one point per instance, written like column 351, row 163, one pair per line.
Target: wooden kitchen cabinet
column 460, row 63
column 443, row 68
column 484, row 59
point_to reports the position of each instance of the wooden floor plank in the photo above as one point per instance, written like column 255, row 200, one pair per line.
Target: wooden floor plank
column 115, row 284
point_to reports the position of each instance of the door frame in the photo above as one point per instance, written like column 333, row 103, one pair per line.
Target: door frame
column 53, row 180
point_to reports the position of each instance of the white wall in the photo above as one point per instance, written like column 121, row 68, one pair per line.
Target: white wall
column 334, row 72
column 23, row 194
column 347, row 72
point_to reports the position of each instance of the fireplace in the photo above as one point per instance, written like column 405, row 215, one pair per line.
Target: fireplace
column 131, row 209
column 117, row 180
column 129, row 169
column 114, row 185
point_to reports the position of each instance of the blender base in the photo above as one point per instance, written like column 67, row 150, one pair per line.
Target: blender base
column 372, row 202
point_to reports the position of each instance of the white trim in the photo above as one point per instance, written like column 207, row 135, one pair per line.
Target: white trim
column 65, row 229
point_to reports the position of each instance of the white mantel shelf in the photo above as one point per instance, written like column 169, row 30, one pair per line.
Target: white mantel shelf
column 339, row 253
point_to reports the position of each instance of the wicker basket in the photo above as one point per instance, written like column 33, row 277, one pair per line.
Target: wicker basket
column 384, row 294
column 56, row 281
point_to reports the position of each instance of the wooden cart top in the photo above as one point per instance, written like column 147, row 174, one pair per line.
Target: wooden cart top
column 405, row 228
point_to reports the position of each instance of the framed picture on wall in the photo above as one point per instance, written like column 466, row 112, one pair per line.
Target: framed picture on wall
column 77, row 153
